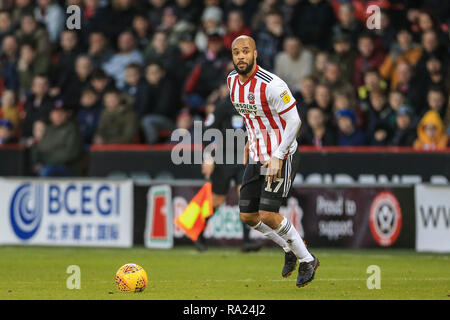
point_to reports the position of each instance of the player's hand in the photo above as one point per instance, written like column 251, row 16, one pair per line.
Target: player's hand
column 208, row 168
column 246, row 153
column 273, row 169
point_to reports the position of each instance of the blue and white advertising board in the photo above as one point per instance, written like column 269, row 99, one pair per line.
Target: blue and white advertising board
column 78, row 212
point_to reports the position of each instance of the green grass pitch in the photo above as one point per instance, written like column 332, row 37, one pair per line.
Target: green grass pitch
column 221, row 273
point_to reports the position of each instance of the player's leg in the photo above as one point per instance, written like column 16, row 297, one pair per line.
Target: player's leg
column 217, row 200
column 220, row 182
column 272, row 196
column 249, row 205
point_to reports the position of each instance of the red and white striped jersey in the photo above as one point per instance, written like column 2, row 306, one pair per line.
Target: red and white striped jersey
column 261, row 101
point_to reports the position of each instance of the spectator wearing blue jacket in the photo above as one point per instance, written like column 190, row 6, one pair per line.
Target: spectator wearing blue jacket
column 348, row 134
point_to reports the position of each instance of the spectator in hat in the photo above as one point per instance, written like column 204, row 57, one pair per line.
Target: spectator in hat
column 294, row 62
column 126, row 54
column 7, row 132
column 59, row 151
column 431, row 133
column 117, row 124
column 404, row 132
column 348, row 134
column 343, row 55
column 403, row 49
column 211, row 24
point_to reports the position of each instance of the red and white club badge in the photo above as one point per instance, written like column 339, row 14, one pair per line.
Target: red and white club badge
column 385, row 218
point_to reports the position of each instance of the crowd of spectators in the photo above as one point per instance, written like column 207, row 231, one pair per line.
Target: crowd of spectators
column 136, row 70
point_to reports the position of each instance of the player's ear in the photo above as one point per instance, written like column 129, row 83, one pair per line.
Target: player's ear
column 255, row 54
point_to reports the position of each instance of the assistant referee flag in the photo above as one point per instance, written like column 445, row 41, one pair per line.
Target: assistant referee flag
column 193, row 219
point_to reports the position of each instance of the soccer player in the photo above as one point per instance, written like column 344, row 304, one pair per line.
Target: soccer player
column 272, row 121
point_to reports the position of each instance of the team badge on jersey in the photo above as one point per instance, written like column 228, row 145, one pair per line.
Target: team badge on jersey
column 285, row 96
column 251, row 98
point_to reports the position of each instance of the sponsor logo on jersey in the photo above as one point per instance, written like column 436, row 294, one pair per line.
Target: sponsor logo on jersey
column 244, row 108
column 285, row 96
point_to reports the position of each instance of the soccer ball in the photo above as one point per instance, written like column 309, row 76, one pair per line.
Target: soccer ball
column 131, row 278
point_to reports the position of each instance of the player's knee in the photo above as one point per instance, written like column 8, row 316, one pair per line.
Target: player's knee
column 251, row 219
column 264, row 216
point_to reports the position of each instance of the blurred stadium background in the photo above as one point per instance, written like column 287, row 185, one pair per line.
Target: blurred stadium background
column 86, row 118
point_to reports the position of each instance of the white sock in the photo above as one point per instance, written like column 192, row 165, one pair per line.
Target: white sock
column 272, row 235
column 287, row 231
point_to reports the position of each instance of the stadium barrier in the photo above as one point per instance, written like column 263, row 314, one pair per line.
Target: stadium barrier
column 355, row 216
column 328, row 165
column 62, row 212
column 13, row 160
column 120, row 213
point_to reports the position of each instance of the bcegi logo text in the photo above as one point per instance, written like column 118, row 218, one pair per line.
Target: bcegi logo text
column 83, row 199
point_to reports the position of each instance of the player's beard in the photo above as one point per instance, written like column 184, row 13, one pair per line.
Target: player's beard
column 246, row 70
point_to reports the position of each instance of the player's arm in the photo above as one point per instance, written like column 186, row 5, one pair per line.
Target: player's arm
column 293, row 124
column 281, row 97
